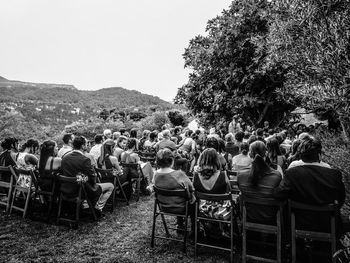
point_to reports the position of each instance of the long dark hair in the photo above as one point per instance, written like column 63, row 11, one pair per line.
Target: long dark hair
column 273, row 148
column 32, row 144
column 47, row 150
column 209, row 162
column 259, row 166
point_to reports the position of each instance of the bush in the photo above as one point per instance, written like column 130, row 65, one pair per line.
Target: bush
column 337, row 155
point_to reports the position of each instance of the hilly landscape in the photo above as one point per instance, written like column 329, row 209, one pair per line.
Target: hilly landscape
column 27, row 107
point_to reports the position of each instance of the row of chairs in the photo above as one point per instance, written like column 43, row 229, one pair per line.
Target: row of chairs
column 52, row 193
column 240, row 226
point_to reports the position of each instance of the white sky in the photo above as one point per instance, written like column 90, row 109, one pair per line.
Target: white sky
column 94, row 44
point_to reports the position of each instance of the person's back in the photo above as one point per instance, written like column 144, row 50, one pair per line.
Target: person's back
column 259, row 182
column 312, row 184
column 216, row 184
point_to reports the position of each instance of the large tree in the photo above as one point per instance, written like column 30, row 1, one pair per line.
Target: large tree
column 229, row 70
column 312, row 39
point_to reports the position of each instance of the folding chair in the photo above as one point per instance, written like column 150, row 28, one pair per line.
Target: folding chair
column 45, row 186
column 7, row 177
column 20, row 190
column 74, row 192
column 110, row 176
column 231, row 221
column 128, row 169
column 148, row 157
column 331, row 209
column 232, row 175
column 263, row 228
column 160, row 196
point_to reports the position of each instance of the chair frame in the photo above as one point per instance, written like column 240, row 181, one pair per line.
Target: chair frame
column 8, row 185
column 231, row 221
column 263, row 228
column 107, row 175
column 313, row 235
column 51, row 194
column 27, row 191
column 138, row 179
column 158, row 211
column 77, row 200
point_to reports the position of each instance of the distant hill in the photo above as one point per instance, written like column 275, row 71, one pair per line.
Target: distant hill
column 57, row 105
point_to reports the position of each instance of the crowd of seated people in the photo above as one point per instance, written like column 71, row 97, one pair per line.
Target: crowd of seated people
column 268, row 163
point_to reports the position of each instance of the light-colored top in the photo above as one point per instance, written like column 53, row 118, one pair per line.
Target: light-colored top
column 188, row 145
column 300, row 162
column 96, row 151
column 241, row 162
column 65, row 149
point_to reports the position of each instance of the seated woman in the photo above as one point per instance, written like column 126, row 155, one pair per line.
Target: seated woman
column 106, row 160
column 209, row 179
column 242, row 161
column 168, row 178
column 212, row 142
column 49, row 164
column 187, row 149
column 26, row 159
column 259, row 182
column 120, row 147
column 277, row 159
column 129, row 156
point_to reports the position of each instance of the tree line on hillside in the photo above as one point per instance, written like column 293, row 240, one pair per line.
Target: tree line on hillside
column 261, row 59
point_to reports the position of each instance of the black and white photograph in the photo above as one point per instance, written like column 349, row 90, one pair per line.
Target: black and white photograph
column 175, row 131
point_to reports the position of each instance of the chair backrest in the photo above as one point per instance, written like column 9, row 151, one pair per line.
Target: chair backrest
column 7, row 171
column 213, row 197
column 263, row 201
column 132, row 169
column 103, row 173
column 69, row 186
column 231, row 174
column 27, row 172
column 324, row 208
column 178, row 192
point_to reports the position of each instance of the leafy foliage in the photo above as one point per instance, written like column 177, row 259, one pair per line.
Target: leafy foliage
column 312, row 40
column 177, row 118
column 229, row 70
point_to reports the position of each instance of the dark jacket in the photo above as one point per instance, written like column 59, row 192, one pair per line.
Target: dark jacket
column 76, row 162
column 314, row 185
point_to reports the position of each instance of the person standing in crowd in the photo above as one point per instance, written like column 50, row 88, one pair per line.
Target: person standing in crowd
column 234, row 126
column 67, row 145
column 76, row 162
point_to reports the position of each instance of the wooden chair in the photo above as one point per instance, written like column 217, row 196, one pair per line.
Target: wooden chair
column 128, row 169
column 110, row 176
column 7, row 177
column 148, row 157
column 262, row 228
column 75, row 195
column 20, row 190
column 159, row 210
column 232, row 175
column 331, row 209
column 45, row 186
column 215, row 197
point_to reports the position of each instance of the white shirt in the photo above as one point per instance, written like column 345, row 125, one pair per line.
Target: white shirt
column 96, row 151
column 300, row 162
column 65, row 149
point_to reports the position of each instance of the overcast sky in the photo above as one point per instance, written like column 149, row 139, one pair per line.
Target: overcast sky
column 94, row 44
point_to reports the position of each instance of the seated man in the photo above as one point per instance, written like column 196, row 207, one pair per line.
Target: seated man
column 67, row 145
column 314, row 184
column 76, row 162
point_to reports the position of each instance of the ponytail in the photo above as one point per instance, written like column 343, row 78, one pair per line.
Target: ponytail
column 259, row 167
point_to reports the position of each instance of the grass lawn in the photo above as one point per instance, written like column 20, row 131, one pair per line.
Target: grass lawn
column 123, row 236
